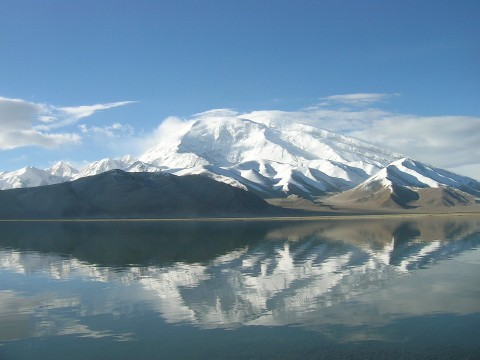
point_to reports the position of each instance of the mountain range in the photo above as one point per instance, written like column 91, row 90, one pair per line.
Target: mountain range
column 279, row 159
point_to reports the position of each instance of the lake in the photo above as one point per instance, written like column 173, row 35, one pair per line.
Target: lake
column 399, row 288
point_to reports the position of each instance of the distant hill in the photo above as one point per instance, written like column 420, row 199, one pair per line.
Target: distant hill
column 118, row 194
column 410, row 184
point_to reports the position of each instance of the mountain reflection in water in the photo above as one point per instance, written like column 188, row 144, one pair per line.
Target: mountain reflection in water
column 234, row 274
column 360, row 275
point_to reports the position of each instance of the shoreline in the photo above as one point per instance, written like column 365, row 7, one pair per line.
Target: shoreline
column 257, row 219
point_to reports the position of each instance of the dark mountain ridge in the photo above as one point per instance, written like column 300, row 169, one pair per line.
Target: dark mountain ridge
column 118, row 194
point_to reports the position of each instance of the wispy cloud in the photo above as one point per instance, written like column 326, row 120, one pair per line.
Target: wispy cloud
column 167, row 132
column 15, row 139
column 17, row 119
column 358, row 99
column 62, row 116
column 445, row 141
column 24, row 123
column 115, row 130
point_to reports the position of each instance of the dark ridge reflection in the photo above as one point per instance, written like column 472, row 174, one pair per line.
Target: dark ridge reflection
column 122, row 244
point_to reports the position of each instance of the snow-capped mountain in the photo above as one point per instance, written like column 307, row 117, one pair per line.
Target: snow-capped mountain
column 103, row 165
column 267, row 156
column 127, row 163
column 277, row 158
column 408, row 183
column 411, row 173
column 63, row 170
column 29, row 177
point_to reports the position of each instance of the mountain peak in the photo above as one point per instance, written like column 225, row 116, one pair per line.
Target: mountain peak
column 300, row 158
column 28, row 176
column 104, row 165
column 63, row 169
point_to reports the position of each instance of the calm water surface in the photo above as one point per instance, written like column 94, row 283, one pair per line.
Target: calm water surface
column 358, row 289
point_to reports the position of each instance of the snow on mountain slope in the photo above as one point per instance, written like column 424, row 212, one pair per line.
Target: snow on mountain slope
column 410, row 173
column 63, row 170
column 339, row 146
column 127, row 163
column 28, row 177
column 100, row 166
column 268, row 157
column 31, row 176
column 408, row 183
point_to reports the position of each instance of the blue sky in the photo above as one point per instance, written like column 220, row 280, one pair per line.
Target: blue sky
column 83, row 80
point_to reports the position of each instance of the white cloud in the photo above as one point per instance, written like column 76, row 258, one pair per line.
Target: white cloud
column 64, row 116
column 445, row 141
column 115, row 130
column 338, row 120
column 172, row 127
column 80, row 112
column 216, row 113
column 56, row 117
column 16, row 126
column 15, row 139
column 24, row 123
column 358, row 99
column 168, row 130
column 16, row 114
